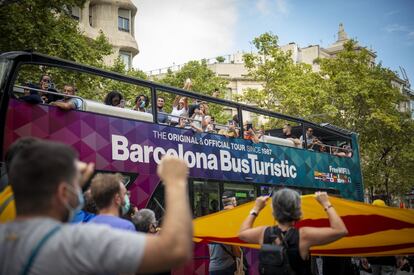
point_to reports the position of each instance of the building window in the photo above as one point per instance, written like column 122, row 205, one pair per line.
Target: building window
column 90, row 16
column 126, row 58
column 75, row 13
column 123, row 20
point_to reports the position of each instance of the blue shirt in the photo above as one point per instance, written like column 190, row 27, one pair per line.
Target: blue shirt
column 82, row 216
column 114, row 222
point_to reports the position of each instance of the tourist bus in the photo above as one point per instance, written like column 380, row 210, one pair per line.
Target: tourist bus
column 122, row 140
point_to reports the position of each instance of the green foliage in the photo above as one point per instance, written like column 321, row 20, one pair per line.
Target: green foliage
column 350, row 91
column 204, row 81
column 220, row 59
column 47, row 27
column 287, row 87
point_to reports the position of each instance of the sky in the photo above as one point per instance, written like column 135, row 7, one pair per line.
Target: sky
column 172, row 32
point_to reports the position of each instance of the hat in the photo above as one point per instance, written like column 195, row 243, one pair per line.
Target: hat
column 378, row 202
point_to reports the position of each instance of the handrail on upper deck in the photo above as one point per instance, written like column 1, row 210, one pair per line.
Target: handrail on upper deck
column 41, row 59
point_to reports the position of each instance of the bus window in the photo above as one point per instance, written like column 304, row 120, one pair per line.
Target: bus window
column 243, row 192
column 320, row 139
column 206, row 196
column 262, row 128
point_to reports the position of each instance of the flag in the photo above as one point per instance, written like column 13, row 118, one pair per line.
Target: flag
column 373, row 230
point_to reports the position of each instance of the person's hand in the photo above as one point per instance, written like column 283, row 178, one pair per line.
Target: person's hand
column 260, row 203
column 322, row 198
column 172, row 170
column 86, row 171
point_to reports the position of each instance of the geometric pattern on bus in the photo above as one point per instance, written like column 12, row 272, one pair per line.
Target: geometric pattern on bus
column 90, row 135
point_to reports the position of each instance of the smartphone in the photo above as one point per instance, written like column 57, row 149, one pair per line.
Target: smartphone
column 249, row 126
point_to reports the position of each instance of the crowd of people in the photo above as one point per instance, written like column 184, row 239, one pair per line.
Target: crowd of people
column 184, row 115
column 48, row 195
column 315, row 144
column 100, row 231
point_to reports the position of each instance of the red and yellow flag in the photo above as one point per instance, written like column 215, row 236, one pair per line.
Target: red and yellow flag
column 373, row 230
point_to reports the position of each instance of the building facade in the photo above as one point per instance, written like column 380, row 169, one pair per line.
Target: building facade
column 233, row 70
column 116, row 20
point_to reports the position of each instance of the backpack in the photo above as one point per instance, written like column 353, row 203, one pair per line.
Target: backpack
column 273, row 258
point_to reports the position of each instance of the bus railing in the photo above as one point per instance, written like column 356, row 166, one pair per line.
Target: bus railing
column 29, row 58
column 97, row 107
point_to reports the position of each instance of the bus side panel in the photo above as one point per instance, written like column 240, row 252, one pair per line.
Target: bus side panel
column 125, row 145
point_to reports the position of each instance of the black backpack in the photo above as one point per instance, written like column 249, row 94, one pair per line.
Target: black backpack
column 273, row 258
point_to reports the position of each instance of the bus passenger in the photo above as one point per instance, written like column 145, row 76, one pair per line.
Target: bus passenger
column 287, row 211
column 68, row 103
column 249, row 133
column 198, row 123
column 231, row 130
column 287, row 134
column 162, row 117
column 55, row 194
column 141, row 103
column 31, row 95
column 180, row 109
column 111, row 198
column 344, row 152
column 114, row 98
column 209, row 124
column 311, row 140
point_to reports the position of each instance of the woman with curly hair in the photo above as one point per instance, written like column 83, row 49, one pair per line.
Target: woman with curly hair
column 114, row 98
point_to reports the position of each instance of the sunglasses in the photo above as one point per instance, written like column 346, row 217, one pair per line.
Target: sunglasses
column 46, row 80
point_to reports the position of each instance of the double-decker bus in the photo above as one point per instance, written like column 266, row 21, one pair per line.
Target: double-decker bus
column 132, row 143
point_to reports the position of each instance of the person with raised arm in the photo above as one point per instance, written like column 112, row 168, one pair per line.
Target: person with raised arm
column 286, row 204
column 50, row 173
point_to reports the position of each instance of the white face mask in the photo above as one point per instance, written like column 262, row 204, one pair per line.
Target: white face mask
column 81, row 201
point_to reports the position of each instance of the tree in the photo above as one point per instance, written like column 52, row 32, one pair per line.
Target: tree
column 287, row 87
column 47, row 27
column 204, row 81
column 220, row 59
column 353, row 93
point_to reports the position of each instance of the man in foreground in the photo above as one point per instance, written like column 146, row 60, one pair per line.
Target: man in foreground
column 45, row 179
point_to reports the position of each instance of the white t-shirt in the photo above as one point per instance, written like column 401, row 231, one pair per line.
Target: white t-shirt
column 177, row 113
column 73, row 249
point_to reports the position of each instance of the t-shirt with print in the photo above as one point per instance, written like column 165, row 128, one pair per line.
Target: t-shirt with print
column 114, row 222
column 73, row 249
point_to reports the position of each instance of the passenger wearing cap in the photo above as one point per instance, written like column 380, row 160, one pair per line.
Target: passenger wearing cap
column 222, row 256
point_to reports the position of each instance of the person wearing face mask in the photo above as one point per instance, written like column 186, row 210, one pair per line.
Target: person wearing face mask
column 112, row 200
column 46, row 178
column 141, row 103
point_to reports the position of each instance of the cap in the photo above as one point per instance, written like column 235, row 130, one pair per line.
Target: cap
column 378, row 202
